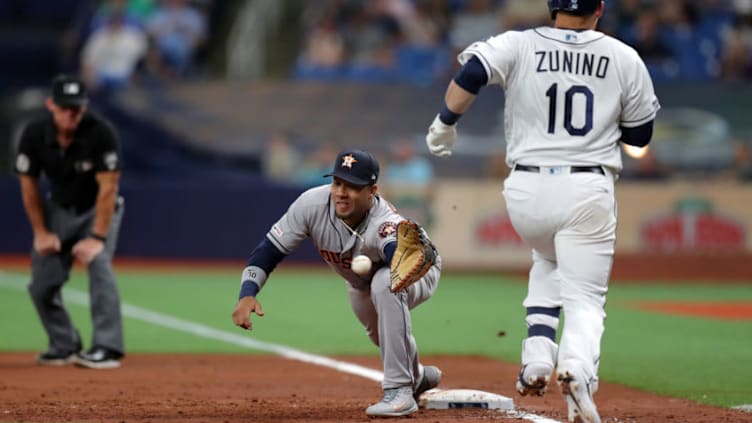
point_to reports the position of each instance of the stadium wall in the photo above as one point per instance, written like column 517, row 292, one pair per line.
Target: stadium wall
column 666, row 231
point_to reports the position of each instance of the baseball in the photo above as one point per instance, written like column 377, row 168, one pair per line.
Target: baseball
column 361, row 265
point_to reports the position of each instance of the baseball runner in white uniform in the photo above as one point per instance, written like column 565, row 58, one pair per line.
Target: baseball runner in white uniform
column 572, row 94
column 345, row 219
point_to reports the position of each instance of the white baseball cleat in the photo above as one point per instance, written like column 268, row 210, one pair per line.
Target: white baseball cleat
column 395, row 402
column 577, row 393
column 533, row 379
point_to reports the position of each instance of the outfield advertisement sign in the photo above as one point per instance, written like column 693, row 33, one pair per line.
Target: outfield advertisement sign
column 471, row 226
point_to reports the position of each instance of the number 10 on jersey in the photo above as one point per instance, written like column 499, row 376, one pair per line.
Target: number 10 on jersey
column 576, row 90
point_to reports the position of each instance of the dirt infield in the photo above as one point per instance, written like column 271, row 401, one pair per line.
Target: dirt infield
column 241, row 388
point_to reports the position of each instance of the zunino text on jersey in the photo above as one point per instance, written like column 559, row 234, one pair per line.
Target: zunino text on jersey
column 567, row 93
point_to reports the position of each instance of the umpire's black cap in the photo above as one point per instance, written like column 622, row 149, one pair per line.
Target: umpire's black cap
column 357, row 167
column 69, row 91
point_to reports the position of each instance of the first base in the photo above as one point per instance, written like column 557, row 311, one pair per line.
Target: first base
column 442, row 399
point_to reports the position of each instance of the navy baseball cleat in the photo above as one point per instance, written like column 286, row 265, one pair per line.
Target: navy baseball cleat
column 534, row 379
column 99, row 358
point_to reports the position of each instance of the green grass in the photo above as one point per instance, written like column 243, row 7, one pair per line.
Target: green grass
column 701, row 359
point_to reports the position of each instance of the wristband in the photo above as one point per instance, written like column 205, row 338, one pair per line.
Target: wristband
column 99, row 237
column 448, row 117
column 248, row 289
column 251, row 281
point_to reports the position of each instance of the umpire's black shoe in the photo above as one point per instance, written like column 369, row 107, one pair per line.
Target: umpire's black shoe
column 99, row 358
column 56, row 358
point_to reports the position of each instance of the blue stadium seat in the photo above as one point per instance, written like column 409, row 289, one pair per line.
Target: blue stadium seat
column 421, row 65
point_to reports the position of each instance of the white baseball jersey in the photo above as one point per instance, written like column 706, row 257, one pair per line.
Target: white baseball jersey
column 567, row 93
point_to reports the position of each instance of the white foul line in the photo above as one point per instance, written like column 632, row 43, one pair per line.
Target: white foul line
column 159, row 319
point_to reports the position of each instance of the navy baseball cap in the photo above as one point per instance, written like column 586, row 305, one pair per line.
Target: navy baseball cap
column 68, row 91
column 357, row 167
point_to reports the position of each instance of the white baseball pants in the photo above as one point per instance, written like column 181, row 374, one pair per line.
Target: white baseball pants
column 569, row 220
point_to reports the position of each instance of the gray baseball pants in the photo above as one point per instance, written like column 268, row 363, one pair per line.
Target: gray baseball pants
column 49, row 274
column 386, row 318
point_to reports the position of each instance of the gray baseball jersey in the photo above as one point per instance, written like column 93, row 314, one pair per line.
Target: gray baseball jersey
column 385, row 315
column 312, row 216
column 567, row 94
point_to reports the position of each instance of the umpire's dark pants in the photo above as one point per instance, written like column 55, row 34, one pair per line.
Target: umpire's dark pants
column 49, row 273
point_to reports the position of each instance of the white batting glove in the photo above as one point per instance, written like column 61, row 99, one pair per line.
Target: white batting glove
column 441, row 137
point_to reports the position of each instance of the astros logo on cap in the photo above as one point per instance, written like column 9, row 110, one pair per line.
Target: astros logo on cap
column 347, row 161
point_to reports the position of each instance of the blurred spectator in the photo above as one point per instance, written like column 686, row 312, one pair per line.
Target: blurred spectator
column 406, row 166
column 316, row 164
column 134, row 12
column 627, row 12
column 428, row 25
column 736, row 62
column 324, row 51
column 280, row 159
column 421, row 56
column 177, row 29
column 372, row 36
column 324, row 46
column 408, row 180
column 91, row 15
column 654, row 51
column 695, row 51
column 112, row 53
column 477, row 20
column 375, row 41
column 523, row 14
column 716, row 18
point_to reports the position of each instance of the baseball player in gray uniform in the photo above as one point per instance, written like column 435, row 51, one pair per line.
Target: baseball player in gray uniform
column 79, row 153
column 572, row 94
column 345, row 219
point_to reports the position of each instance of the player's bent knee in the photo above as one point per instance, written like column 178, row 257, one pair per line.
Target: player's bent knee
column 101, row 262
column 380, row 284
column 41, row 292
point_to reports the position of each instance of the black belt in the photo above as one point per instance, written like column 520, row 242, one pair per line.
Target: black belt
column 572, row 169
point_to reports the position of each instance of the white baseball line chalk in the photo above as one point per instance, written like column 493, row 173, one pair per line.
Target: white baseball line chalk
column 155, row 318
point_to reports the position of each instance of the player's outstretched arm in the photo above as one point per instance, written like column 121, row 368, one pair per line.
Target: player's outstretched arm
column 460, row 94
column 458, row 99
column 264, row 259
column 241, row 316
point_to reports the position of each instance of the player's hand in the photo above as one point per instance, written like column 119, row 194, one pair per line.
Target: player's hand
column 241, row 316
column 86, row 249
column 47, row 243
column 441, row 138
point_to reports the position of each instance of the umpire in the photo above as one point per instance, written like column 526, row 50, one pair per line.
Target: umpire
column 79, row 154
